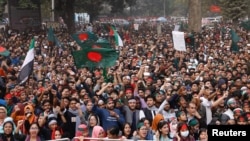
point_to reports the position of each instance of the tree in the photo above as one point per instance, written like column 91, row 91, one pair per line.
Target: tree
column 117, row 6
column 27, row 4
column 194, row 15
column 2, row 7
column 234, row 9
column 66, row 9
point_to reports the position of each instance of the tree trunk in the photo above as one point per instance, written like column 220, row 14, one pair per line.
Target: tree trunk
column 69, row 17
column 194, row 15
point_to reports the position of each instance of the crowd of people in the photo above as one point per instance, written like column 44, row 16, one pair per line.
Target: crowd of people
column 154, row 92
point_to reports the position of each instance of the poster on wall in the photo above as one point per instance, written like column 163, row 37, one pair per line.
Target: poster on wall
column 24, row 18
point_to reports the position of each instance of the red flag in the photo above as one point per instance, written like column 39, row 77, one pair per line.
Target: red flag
column 215, row 9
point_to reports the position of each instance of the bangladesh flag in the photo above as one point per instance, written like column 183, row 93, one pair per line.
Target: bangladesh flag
column 4, row 51
column 103, row 43
column 95, row 57
column 118, row 39
column 82, row 38
column 51, row 37
column 100, row 43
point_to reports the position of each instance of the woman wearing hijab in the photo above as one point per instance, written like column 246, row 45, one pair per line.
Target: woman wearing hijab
column 156, row 120
column 98, row 132
column 81, row 133
column 18, row 112
column 29, row 118
column 8, row 128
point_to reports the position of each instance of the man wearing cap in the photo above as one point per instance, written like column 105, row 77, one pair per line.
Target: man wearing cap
column 194, row 128
column 228, row 115
column 110, row 116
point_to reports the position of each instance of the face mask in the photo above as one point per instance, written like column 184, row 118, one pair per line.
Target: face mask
column 185, row 133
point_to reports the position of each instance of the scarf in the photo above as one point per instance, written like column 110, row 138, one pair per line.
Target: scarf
column 156, row 120
column 28, row 138
column 78, row 120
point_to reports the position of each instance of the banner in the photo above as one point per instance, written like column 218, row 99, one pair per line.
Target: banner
column 176, row 27
column 136, row 27
column 179, row 42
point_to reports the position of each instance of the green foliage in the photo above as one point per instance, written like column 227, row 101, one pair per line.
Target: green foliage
column 27, row 4
column 2, row 7
column 117, row 6
column 234, row 9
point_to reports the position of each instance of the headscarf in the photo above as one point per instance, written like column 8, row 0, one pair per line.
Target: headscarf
column 32, row 117
column 54, row 133
column 96, row 130
column 80, row 129
column 156, row 120
column 21, row 107
column 18, row 115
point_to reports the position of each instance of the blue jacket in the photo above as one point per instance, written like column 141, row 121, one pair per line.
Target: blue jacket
column 107, row 120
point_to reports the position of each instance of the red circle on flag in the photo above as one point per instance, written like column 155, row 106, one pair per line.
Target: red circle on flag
column 94, row 56
column 2, row 49
column 83, row 36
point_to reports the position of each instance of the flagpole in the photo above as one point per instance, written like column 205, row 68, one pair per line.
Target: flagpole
column 52, row 12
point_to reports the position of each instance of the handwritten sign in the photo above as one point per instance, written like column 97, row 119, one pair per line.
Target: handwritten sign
column 179, row 42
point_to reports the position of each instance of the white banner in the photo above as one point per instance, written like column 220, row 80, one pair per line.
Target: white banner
column 136, row 26
column 176, row 27
column 179, row 41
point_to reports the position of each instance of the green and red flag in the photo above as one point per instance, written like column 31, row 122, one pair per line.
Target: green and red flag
column 103, row 43
column 92, row 44
column 53, row 40
column 95, row 57
column 118, row 39
column 51, row 37
column 84, row 37
column 4, row 51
